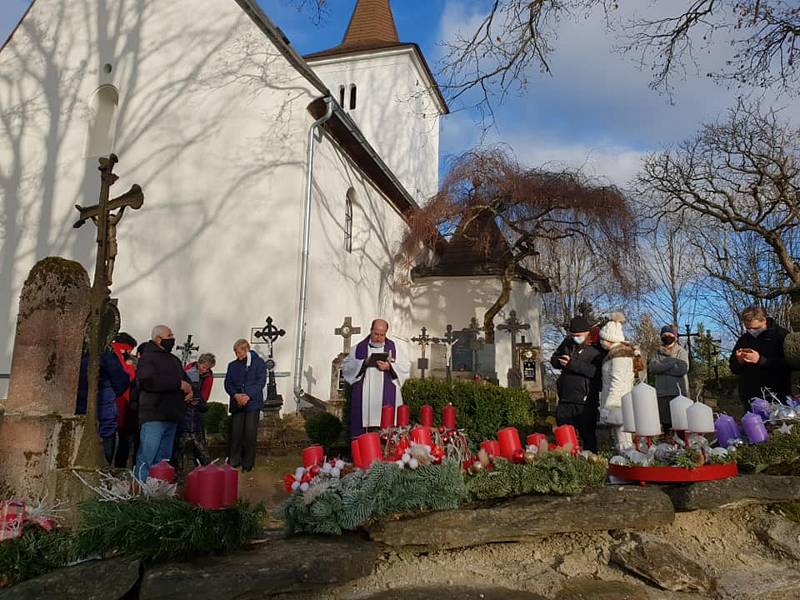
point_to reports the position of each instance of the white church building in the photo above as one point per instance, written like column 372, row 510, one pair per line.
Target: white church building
column 211, row 110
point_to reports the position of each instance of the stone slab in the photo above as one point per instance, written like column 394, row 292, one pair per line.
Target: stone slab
column 283, row 566
column 528, row 518
column 782, row 536
column 454, row 592
column 762, row 584
column 585, row 588
column 97, row 580
column 734, row 492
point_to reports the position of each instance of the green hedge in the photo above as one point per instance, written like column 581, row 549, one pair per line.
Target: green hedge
column 215, row 418
column 483, row 409
column 324, row 429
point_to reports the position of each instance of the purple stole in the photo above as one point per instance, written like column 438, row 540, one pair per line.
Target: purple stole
column 357, row 393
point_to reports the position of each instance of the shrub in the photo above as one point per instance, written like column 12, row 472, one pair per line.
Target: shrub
column 324, row 429
column 214, row 419
column 483, row 409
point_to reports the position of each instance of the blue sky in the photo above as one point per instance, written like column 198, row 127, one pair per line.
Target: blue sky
column 595, row 110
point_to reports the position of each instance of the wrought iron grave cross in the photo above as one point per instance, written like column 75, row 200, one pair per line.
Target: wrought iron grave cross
column 475, row 343
column 187, row 349
column 513, row 326
column 269, row 335
column 423, row 339
column 347, row 331
column 448, row 340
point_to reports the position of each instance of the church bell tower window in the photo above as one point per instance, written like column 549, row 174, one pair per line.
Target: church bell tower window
column 353, row 91
column 341, row 96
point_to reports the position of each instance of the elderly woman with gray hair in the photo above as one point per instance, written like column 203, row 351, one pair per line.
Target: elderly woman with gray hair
column 244, row 383
column 191, row 441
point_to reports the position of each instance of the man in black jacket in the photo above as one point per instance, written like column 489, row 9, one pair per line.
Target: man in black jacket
column 579, row 363
column 758, row 358
column 164, row 389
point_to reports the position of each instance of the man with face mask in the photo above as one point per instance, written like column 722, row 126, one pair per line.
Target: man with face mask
column 669, row 364
column 758, row 358
column 579, row 362
column 164, row 390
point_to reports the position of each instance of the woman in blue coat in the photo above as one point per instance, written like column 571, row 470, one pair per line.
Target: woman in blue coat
column 244, row 383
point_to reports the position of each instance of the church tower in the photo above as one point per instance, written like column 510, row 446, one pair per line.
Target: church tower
column 388, row 89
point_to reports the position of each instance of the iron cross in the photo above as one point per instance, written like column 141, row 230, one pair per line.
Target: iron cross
column 269, row 335
column 423, row 339
column 187, row 349
column 513, row 326
column 449, row 339
column 347, row 331
column 475, row 343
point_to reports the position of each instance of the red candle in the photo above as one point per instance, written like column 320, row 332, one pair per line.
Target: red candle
column 566, row 434
column 192, row 483
column 163, row 471
column 230, row 491
column 449, row 417
column 535, row 439
column 313, row 455
column 492, row 447
column 356, row 454
column 403, row 415
column 369, row 448
column 387, row 417
column 422, row 435
column 211, row 482
column 426, row 415
column 509, row 441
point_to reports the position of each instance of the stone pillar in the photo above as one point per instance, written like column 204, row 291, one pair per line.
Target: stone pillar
column 39, row 434
column 791, row 346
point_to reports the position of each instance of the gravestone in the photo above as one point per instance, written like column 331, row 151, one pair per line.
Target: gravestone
column 39, row 433
column 338, row 395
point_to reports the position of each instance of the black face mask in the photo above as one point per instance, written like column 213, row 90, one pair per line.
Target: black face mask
column 667, row 340
column 168, row 344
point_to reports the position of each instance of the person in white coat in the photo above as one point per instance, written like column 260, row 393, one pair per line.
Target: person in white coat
column 618, row 377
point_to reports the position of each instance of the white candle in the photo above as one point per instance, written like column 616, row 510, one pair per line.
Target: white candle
column 628, row 420
column 645, row 410
column 677, row 411
column 701, row 418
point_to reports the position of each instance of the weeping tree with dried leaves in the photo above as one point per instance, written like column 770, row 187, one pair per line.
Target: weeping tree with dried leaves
column 737, row 186
column 507, row 212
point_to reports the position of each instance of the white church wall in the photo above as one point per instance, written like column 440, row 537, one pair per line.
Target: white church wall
column 394, row 110
column 211, row 122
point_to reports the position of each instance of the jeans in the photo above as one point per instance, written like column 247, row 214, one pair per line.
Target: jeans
column 244, row 430
column 155, row 445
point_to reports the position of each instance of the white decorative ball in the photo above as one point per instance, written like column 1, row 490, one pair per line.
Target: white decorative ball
column 304, row 487
column 413, row 463
column 336, row 473
column 299, row 472
column 406, row 457
column 295, row 486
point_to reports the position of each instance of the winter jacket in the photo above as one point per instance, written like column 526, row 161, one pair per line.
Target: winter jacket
column 201, row 386
column 575, row 384
column 123, row 399
column 618, row 376
column 771, row 371
column 158, row 377
column 670, row 366
column 250, row 379
column 113, row 382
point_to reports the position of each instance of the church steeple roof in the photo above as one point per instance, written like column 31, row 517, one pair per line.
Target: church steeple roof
column 372, row 21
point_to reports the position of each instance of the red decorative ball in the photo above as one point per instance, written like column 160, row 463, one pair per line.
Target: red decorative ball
column 518, row 456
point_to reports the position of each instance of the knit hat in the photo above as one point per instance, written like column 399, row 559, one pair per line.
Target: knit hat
column 669, row 329
column 579, row 324
column 612, row 331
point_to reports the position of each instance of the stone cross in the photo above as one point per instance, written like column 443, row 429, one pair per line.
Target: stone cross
column 268, row 335
column 347, row 331
column 513, row 326
column 449, row 339
column 106, row 221
column 423, row 339
column 476, row 343
column 187, row 349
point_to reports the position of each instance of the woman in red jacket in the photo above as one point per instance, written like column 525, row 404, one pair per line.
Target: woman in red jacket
column 123, row 346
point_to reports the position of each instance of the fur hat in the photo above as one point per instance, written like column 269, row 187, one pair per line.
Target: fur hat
column 612, row 331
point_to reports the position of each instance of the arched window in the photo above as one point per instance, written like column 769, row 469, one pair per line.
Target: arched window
column 102, row 122
column 353, row 96
column 348, row 220
column 341, row 96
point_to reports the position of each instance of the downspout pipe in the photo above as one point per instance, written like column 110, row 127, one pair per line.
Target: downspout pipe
column 301, row 309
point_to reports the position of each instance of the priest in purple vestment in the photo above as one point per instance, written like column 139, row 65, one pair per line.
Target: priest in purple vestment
column 375, row 383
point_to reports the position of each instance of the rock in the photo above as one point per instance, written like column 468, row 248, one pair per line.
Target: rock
column 594, row 589
column 734, row 492
column 529, row 517
column 783, row 536
column 456, row 592
column 96, row 580
column 759, row 584
column 283, row 566
column 662, row 564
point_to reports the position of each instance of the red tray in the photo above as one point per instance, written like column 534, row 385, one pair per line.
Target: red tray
column 673, row 474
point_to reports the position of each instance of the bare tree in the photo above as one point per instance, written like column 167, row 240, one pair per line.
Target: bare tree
column 738, row 183
column 487, row 189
